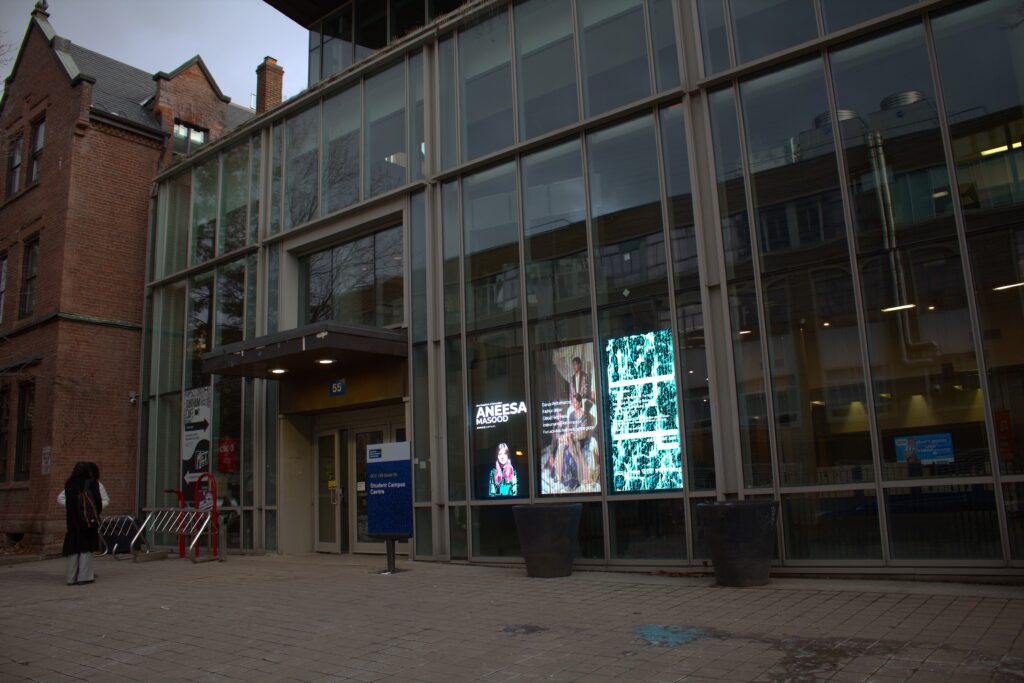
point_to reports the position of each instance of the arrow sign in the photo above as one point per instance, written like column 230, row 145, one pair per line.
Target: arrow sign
column 196, row 426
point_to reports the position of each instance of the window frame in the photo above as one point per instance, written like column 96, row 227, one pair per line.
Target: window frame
column 12, row 182
column 5, row 417
column 36, row 138
column 23, row 444
column 29, row 274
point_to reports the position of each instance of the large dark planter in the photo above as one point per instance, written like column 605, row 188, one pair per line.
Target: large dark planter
column 740, row 537
column 547, row 536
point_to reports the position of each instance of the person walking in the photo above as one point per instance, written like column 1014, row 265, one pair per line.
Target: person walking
column 83, row 506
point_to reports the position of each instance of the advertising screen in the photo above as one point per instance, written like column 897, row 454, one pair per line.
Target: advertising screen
column 570, row 434
column 924, row 448
column 642, row 412
column 497, row 428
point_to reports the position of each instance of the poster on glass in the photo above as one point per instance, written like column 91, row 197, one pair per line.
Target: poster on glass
column 643, row 413
column 570, row 434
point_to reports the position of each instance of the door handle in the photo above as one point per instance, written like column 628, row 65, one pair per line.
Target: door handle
column 334, row 496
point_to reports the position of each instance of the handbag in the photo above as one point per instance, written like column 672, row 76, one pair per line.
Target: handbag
column 90, row 515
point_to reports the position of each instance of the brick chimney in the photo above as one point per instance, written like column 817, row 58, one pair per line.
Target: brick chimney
column 269, row 82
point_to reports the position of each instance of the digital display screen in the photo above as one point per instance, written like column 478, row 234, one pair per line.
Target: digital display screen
column 643, row 412
column 570, row 426
column 923, row 448
column 500, row 455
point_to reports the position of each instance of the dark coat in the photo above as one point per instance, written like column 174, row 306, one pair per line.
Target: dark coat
column 80, row 538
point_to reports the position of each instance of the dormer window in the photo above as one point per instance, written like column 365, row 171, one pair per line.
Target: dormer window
column 188, row 138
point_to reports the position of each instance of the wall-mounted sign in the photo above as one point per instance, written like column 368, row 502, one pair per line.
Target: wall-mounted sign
column 338, row 387
column 924, row 448
column 389, row 489
column 44, row 464
column 196, row 435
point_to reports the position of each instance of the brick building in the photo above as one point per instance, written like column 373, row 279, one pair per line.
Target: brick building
column 82, row 136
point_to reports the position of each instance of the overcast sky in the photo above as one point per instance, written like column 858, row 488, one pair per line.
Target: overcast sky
column 232, row 36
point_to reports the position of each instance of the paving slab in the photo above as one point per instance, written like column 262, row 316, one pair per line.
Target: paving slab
column 337, row 618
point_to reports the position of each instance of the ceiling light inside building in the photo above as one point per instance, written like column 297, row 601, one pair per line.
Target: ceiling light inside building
column 901, row 307
column 278, row 371
column 1002, row 287
column 325, row 361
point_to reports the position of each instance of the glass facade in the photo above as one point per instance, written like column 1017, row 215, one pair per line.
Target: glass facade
column 626, row 281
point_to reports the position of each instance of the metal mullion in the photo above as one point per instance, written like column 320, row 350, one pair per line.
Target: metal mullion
column 679, row 33
column 463, row 352
column 674, row 314
column 524, row 312
column 363, row 194
column 874, row 429
column 819, row 18
column 513, row 71
column 971, row 291
column 457, row 87
column 652, row 76
column 755, row 262
column 936, row 481
column 730, row 40
column 437, row 416
column 581, row 113
column 596, row 332
column 409, row 105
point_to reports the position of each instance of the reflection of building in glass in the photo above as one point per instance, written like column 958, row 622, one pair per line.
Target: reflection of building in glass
column 830, row 247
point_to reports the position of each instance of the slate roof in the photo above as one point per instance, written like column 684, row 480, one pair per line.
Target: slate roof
column 120, row 90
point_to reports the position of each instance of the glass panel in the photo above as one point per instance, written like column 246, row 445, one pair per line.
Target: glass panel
column 625, row 205
column 613, row 54
column 422, row 453
column 491, row 223
column 455, row 414
column 590, row 539
column 301, row 167
column 234, row 198
column 545, row 66
column 439, row 7
column 554, row 209
column 983, row 90
column 250, row 296
column 270, row 445
column 417, row 121
column 276, row 171
column 821, row 420
column 200, row 313
column 270, row 533
column 247, row 443
column 326, row 491
column 230, row 304
column 494, row 532
column 172, row 238
column 485, row 75
column 713, row 38
column 663, row 36
column 566, row 420
column 1013, row 499
column 841, row 525
column 890, row 129
column 364, row 439
column 648, row 529
column 680, row 197
column 227, row 434
column 418, row 267
column 793, row 168
column 167, row 341
column 699, row 551
column 640, row 399
column 204, row 211
column 732, row 200
column 998, row 261
column 750, row 386
column 386, row 158
column 371, row 27
column 273, row 271
column 696, row 391
column 424, row 529
column 458, row 533
column 943, row 522
column 840, row 14
column 761, row 27
column 255, row 159
column 341, row 150
column 497, row 401
column 446, row 93
column 927, row 397
column 337, row 47
column 451, row 238
column 406, row 15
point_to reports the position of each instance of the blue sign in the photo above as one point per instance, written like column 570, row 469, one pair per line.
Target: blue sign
column 389, row 489
column 924, row 448
column 337, row 388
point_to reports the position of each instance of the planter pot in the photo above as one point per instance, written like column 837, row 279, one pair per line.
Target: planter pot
column 740, row 537
column 547, row 536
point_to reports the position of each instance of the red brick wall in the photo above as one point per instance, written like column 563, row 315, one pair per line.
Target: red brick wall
column 190, row 97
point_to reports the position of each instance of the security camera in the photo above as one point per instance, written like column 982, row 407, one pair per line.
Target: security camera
column 133, row 397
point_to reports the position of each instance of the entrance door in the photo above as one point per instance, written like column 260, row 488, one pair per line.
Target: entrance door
column 332, row 497
column 361, row 437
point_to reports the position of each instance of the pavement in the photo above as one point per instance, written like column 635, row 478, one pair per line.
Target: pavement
column 336, row 618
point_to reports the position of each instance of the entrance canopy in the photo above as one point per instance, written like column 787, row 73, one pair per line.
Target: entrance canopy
column 306, row 350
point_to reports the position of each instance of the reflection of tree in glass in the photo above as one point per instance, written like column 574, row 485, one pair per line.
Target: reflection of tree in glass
column 198, row 328
column 230, row 303
column 204, row 210
column 234, row 198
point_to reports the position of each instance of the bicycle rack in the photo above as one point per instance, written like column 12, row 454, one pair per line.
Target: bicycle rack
column 181, row 521
column 117, row 526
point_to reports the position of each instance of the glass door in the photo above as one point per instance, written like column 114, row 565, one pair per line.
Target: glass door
column 328, row 494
